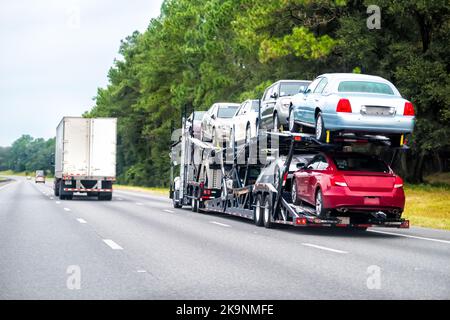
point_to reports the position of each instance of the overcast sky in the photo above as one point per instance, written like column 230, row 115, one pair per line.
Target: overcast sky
column 54, row 54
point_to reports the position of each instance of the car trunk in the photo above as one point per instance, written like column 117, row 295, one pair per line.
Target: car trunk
column 374, row 182
column 375, row 104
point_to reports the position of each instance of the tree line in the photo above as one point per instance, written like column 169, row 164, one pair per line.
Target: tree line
column 198, row 52
column 28, row 154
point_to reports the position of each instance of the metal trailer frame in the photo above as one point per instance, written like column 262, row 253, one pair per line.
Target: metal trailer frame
column 241, row 201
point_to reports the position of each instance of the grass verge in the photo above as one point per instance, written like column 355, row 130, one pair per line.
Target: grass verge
column 428, row 205
column 156, row 191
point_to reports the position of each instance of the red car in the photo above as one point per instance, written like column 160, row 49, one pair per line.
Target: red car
column 348, row 182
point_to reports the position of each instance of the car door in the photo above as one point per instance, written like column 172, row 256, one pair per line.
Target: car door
column 316, row 176
column 308, row 106
column 268, row 106
column 238, row 122
column 303, row 178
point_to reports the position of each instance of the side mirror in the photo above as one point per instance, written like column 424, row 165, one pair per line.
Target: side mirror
column 213, row 116
column 307, row 91
column 301, row 165
column 274, row 95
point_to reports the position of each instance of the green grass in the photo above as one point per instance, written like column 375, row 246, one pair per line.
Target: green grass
column 428, row 205
column 12, row 173
column 158, row 191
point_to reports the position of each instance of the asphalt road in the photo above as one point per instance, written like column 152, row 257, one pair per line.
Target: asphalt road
column 138, row 247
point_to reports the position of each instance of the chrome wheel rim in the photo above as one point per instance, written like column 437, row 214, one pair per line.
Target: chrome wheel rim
column 318, row 203
column 247, row 136
column 291, row 121
column 294, row 192
column 266, row 211
column 275, row 124
column 319, row 127
column 258, row 211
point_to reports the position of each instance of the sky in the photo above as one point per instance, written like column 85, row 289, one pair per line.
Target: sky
column 54, row 54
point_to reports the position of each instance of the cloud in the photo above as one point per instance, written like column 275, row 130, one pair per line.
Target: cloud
column 55, row 54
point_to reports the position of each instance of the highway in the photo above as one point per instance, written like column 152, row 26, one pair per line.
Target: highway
column 138, row 247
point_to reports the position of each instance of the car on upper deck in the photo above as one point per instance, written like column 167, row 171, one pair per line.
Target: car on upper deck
column 352, row 103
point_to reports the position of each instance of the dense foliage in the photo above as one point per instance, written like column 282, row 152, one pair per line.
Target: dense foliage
column 28, row 154
column 202, row 51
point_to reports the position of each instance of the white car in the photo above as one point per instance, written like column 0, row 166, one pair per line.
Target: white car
column 216, row 123
column 245, row 122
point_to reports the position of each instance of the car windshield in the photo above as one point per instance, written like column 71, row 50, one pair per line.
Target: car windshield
column 292, row 88
column 365, row 86
column 360, row 163
column 227, row 112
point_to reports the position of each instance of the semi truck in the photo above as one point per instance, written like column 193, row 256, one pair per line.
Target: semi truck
column 85, row 157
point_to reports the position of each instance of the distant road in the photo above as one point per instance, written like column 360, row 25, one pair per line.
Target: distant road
column 138, row 247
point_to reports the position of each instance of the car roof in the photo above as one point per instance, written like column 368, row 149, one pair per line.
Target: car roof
column 353, row 76
column 279, row 81
column 226, row 104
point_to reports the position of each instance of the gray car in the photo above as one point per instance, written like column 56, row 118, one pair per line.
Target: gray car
column 276, row 102
column 352, row 103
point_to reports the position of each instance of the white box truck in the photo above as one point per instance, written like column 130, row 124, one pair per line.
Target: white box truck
column 85, row 157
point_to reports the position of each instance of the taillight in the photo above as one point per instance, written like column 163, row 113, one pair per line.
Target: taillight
column 285, row 178
column 207, row 192
column 344, row 106
column 339, row 181
column 409, row 109
column 398, row 182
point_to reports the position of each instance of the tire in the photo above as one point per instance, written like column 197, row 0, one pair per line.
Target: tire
column 293, row 127
column 320, row 130
column 105, row 196
column 295, row 199
column 258, row 212
column 194, row 205
column 321, row 212
column 62, row 196
column 56, row 189
column 248, row 135
column 267, row 217
column 276, row 123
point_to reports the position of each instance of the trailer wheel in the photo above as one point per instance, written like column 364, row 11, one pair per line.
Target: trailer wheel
column 268, row 210
column 194, row 205
column 258, row 212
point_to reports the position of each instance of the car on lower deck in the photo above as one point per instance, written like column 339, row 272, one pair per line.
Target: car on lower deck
column 352, row 103
column 347, row 182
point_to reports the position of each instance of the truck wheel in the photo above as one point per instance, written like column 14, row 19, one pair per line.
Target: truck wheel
column 176, row 204
column 56, row 189
column 194, row 205
column 107, row 196
column 61, row 194
column 258, row 212
column 268, row 212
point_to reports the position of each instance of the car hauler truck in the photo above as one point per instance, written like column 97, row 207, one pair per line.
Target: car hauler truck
column 85, row 157
column 259, row 188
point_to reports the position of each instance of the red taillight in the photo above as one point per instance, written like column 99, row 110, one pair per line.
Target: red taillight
column 398, row 182
column 339, row 181
column 207, row 192
column 409, row 109
column 344, row 106
column 285, row 178
column 301, row 221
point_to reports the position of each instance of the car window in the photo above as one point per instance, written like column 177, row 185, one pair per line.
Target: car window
column 365, row 87
column 198, row 115
column 225, row 112
column 292, row 88
column 243, row 109
column 313, row 84
column 322, row 84
column 360, row 163
column 313, row 164
column 322, row 163
column 255, row 105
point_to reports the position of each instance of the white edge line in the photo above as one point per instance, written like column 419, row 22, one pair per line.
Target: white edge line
column 169, row 211
column 221, row 224
column 66, row 209
column 409, row 236
column 81, row 220
column 323, row 248
column 112, row 244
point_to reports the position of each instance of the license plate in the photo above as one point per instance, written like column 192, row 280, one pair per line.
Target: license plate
column 344, row 220
column 377, row 111
column 371, row 201
column 68, row 182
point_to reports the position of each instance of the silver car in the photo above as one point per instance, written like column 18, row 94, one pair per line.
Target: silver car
column 276, row 102
column 195, row 122
column 354, row 103
column 217, row 121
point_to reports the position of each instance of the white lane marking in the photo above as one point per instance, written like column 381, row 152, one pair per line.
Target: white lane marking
column 120, row 199
column 66, row 209
column 142, row 271
column 51, row 198
column 220, row 224
column 409, row 236
column 81, row 220
column 112, row 244
column 58, row 202
column 169, row 211
column 323, row 248
column 139, row 203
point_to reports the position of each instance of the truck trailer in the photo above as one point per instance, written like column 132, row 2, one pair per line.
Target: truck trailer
column 85, row 157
